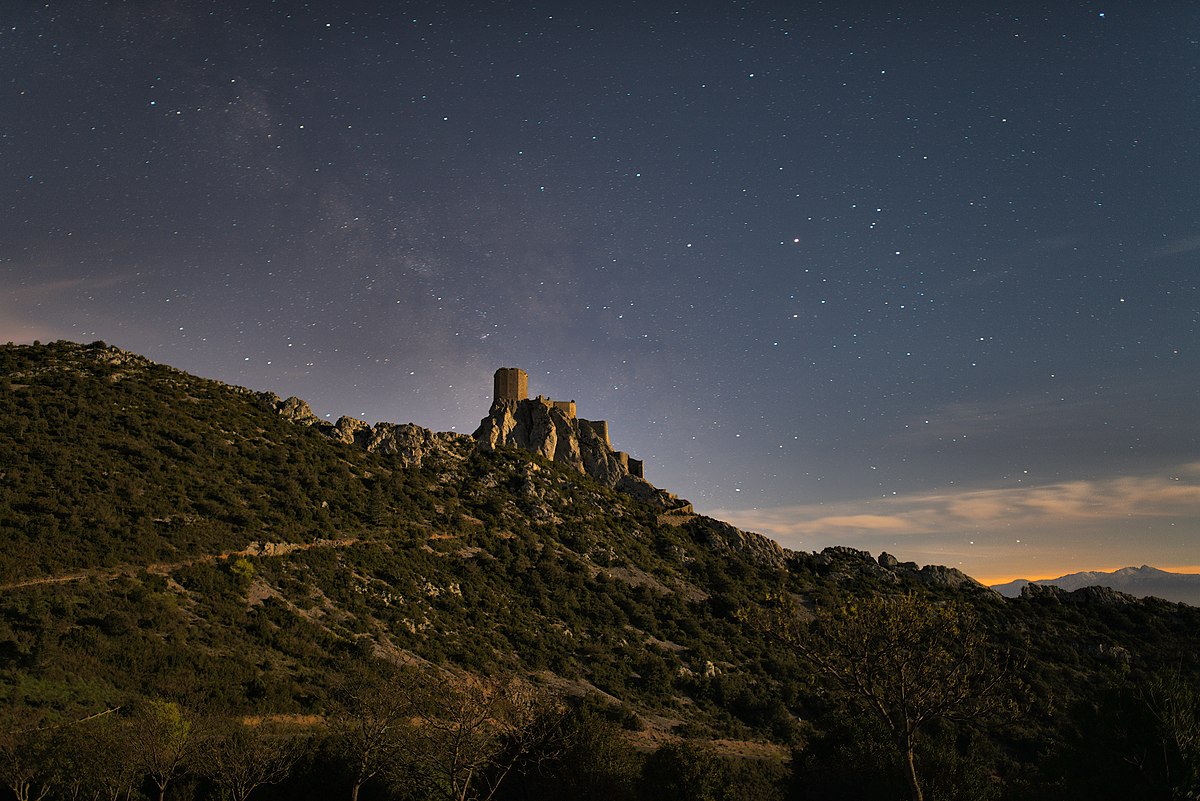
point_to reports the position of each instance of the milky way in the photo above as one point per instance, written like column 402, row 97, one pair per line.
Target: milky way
column 923, row 282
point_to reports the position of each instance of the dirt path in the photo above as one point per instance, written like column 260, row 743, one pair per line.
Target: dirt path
column 163, row 568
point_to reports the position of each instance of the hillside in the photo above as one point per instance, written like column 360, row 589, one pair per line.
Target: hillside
column 163, row 535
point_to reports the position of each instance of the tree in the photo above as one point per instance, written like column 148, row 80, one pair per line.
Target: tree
column 26, row 763
column 28, row 757
column 1174, row 705
column 369, row 718
column 113, row 767
column 907, row 660
column 475, row 731
column 587, row 758
column 162, row 736
column 244, row 757
column 680, row 771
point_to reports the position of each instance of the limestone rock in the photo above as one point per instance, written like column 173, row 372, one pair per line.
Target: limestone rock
column 720, row 535
column 350, row 431
column 551, row 432
column 410, row 444
column 642, row 490
column 943, row 576
column 291, row 408
column 938, row 575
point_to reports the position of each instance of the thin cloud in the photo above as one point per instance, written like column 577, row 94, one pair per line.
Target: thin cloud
column 1031, row 508
column 1179, row 247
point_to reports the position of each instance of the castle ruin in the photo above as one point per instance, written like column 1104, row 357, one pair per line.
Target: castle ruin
column 511, row 383
column 511, row 386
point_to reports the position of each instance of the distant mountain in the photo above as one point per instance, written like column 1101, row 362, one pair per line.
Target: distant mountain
column 1142, row 582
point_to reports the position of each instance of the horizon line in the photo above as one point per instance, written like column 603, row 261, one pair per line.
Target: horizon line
column 993, row 581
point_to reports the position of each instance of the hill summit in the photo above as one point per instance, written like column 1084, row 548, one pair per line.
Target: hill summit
column 551, row 428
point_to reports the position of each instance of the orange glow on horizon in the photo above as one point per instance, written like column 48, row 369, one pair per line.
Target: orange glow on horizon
column 1004, row 579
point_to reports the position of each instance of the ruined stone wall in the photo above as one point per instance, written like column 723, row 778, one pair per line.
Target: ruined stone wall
column 511, row 383
column 636, row 468
column 566, row 406
column 598, row 427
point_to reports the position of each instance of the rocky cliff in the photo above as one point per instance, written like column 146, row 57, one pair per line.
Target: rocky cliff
column 555, row 434
column 551, row 432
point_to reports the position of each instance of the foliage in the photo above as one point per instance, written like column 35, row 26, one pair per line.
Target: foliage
column 167, row 537
column 163, row 738
column 908, row 661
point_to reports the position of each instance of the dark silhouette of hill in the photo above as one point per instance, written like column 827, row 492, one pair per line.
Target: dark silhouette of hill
column 168, row 536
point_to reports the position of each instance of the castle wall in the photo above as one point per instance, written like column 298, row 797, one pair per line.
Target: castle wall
column 566, row 406
column 598, row 427
column 636, row 468
column 511, row 383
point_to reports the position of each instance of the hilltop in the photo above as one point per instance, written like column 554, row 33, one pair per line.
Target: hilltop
column 165, row 535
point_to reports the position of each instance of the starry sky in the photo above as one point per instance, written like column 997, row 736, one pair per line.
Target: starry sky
column 914, row 277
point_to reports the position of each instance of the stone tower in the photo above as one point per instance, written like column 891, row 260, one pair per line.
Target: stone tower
column 511, row 383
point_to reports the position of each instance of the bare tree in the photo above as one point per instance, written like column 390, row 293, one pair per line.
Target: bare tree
column 369, row 718
column 114, row 770
column 907, row 660
column 1174, row 706
column 243, row 757
column 475, row 731
column 27, row 763
column 162, row 736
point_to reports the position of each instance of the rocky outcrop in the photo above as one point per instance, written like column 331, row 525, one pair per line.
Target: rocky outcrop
column 943, row 576
column 937, row 575
column 350, row 431
column 411, row 445
column 553, row 433
column 719, row 535
column 642, row 490
column 115, row 357
column 406, row 443
column 291, row 408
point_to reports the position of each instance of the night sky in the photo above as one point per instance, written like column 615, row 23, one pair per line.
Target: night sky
column 914, row 277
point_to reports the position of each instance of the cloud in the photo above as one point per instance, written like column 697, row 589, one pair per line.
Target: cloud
column 1114, row 500
column 889, row 523
column 1179, row 247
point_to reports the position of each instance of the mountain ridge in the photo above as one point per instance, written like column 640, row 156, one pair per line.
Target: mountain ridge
column 1140, row 582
